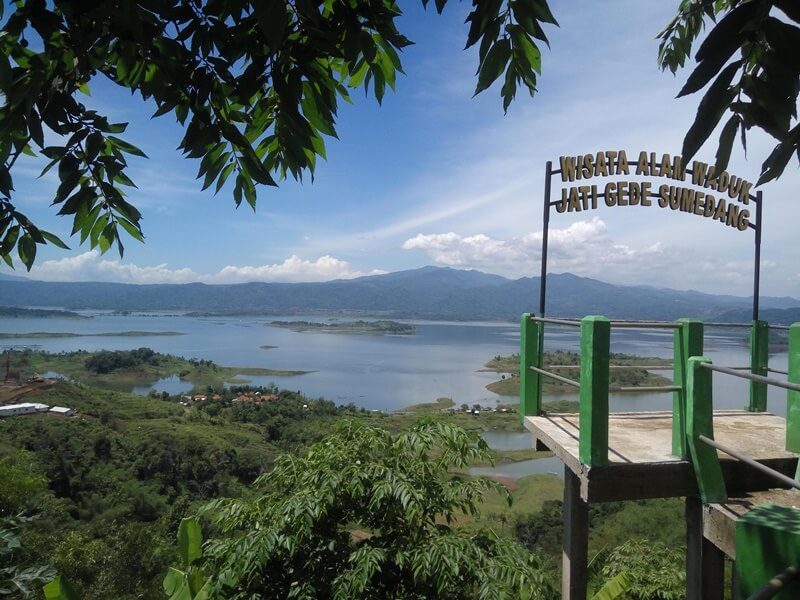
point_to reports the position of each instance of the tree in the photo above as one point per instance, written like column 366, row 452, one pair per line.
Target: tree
column 759, row 87
column 654, row 571
column 255, row 83
column 363, row 514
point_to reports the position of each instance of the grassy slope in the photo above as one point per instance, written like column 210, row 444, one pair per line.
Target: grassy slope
column 131, row 420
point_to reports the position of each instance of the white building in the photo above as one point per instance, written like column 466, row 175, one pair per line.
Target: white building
column 26, row 408
column 62, row 411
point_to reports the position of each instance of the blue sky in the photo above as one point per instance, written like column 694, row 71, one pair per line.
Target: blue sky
column 435, row 176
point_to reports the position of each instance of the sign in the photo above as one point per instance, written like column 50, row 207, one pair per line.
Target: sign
column 697, row 189
column 724, row 198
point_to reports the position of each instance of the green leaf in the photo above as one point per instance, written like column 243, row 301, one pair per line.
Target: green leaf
column 776, row 162
column 59, row 589
column 223, row 177
column 190, row 540
column 132, row 229
column 728, row 34
column 614, row 588
column 357, row 78
column 10, row 240
column 726, row 143
column 93, row 144
column 542, row 11
column 176, row 586
column 26, row 248
column 126, row 147
column 494, row 64
column 710, row 111
column 525, row 49
column 273, row 19
column 721, row 42
column 53, row 239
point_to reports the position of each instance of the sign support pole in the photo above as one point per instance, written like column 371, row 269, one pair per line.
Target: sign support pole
column 757, row 269
column 545, row 227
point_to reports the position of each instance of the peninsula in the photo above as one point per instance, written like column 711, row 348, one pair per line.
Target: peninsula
column 125, row 369
column 565, row 363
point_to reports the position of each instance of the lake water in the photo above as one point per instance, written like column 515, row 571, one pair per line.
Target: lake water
column 381, row 372
column 550, row 465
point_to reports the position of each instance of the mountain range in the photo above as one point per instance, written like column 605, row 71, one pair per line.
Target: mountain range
column 427, row 293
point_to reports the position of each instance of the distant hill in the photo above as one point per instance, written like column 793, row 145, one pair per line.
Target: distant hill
column 429, row 293
column 6, row 277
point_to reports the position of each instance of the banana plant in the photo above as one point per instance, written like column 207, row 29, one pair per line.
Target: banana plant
column 189, row 583
column 59, row 589
column 613, row 589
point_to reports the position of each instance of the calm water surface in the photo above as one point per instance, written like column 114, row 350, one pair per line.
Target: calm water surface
column 378, row 371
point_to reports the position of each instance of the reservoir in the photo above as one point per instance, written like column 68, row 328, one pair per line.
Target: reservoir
column 378, row 372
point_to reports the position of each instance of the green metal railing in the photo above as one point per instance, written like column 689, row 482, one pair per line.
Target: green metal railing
column 594, row 389
column 768, row 537
column 700, row 427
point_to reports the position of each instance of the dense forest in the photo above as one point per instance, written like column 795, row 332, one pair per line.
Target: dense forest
column 103, row 493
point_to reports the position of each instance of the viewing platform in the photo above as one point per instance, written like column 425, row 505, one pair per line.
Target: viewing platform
column 727, row 465
column 640, row 460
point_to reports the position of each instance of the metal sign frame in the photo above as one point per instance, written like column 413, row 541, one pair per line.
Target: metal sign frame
column 550, row 172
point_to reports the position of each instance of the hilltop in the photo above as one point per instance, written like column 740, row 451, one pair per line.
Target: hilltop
column 426, row 293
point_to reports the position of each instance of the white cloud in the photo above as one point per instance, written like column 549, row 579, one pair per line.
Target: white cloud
column 293, row 268
column 584, row 248
column 91, row 266
column 479, row 250
column 568, row 248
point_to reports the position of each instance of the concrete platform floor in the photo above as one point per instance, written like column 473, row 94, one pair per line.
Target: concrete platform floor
column 640, row 460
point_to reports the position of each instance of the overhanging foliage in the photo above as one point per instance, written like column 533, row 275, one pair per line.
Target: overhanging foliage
column 254, row 83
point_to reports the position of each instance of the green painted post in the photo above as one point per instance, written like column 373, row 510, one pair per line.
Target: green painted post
column 793, row 398
column 759, row 362
column 530, row 389
column 595, row 348
column 700, row 421
column 767, row 542
column 688, row 342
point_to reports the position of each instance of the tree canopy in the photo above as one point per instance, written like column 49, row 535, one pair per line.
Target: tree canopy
column 363, row 515
column 256, row 87
column 750, row 61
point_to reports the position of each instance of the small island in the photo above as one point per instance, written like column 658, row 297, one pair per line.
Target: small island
column 15, row 312
column 65, row 334
column 125, row 369
column 369, row 327
column 566, row 363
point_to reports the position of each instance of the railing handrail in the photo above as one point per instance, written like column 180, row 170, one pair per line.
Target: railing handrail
column 634, row 389
column 569, row 322
column 743, row 325
column 752, row 377
column 788, row 481
column 651, row 367
column 645, row 324
column 594, row 365
column 566, row 380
